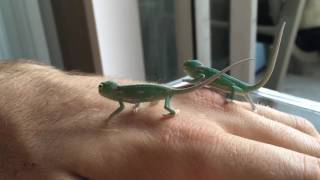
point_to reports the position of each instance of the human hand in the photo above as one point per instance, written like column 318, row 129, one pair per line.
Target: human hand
column 54, row 126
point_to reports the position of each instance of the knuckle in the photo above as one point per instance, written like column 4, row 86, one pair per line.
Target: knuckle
column 311, row 168
column 303, row 124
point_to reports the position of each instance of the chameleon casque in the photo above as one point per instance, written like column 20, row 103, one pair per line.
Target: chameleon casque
column 139, row 93
column 228, row 84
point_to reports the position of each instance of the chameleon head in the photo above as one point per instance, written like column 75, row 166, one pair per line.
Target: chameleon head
column 107, row 88
column 190, row 67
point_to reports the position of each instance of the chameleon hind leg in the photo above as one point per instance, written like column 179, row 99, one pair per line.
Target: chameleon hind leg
column 167, row 106
column 118, row 110
column 249, row 99
column 232, row 93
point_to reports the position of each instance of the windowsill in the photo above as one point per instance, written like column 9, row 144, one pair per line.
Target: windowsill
column 283, row 102
column 291, row 104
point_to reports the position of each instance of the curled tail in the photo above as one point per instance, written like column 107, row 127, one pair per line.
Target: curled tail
column 272, row 62
column 210, row 79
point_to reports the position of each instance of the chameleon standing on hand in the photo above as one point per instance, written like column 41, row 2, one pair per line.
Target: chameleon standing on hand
column 139, row 93
column 229, row 84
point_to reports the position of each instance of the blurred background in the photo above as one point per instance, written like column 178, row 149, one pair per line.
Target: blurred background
column 150, row 39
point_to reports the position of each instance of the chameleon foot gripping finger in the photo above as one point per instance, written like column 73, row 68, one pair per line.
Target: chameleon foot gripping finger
column 249, row 99
column 139, row 93
column 136, row 107
column 118, row 110
column 229, row 100
column 229, row 84
column 167, row 106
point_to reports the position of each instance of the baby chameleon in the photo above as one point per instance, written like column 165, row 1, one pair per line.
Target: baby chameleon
column 227, row 83
column 139, row 93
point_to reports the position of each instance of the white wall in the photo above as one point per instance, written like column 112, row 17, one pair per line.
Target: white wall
column 203, row 31
column 243, row 28
column 119, row 37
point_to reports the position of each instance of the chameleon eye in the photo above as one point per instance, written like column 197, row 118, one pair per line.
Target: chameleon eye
column 100, row 85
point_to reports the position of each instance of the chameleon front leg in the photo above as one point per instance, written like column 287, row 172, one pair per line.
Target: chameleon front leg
column 249, row 99
column 167, row 106
column 118, row 110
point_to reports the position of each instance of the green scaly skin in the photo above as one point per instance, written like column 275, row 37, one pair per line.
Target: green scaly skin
column 229, row 84
column 139, row 93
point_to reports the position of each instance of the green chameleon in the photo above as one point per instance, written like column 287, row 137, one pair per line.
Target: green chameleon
column 229, row 84
column 139, row 93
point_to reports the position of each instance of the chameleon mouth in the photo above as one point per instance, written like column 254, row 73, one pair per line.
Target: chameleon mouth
column 100, row 87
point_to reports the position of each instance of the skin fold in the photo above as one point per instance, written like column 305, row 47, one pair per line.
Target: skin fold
column 53, row 126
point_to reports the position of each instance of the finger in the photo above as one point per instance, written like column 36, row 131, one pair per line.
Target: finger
column 293, row 121
column 253, row 126
column 240, row 158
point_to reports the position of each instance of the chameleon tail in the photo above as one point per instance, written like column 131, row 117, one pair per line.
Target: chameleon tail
column 210, row 79
column 271, row 64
